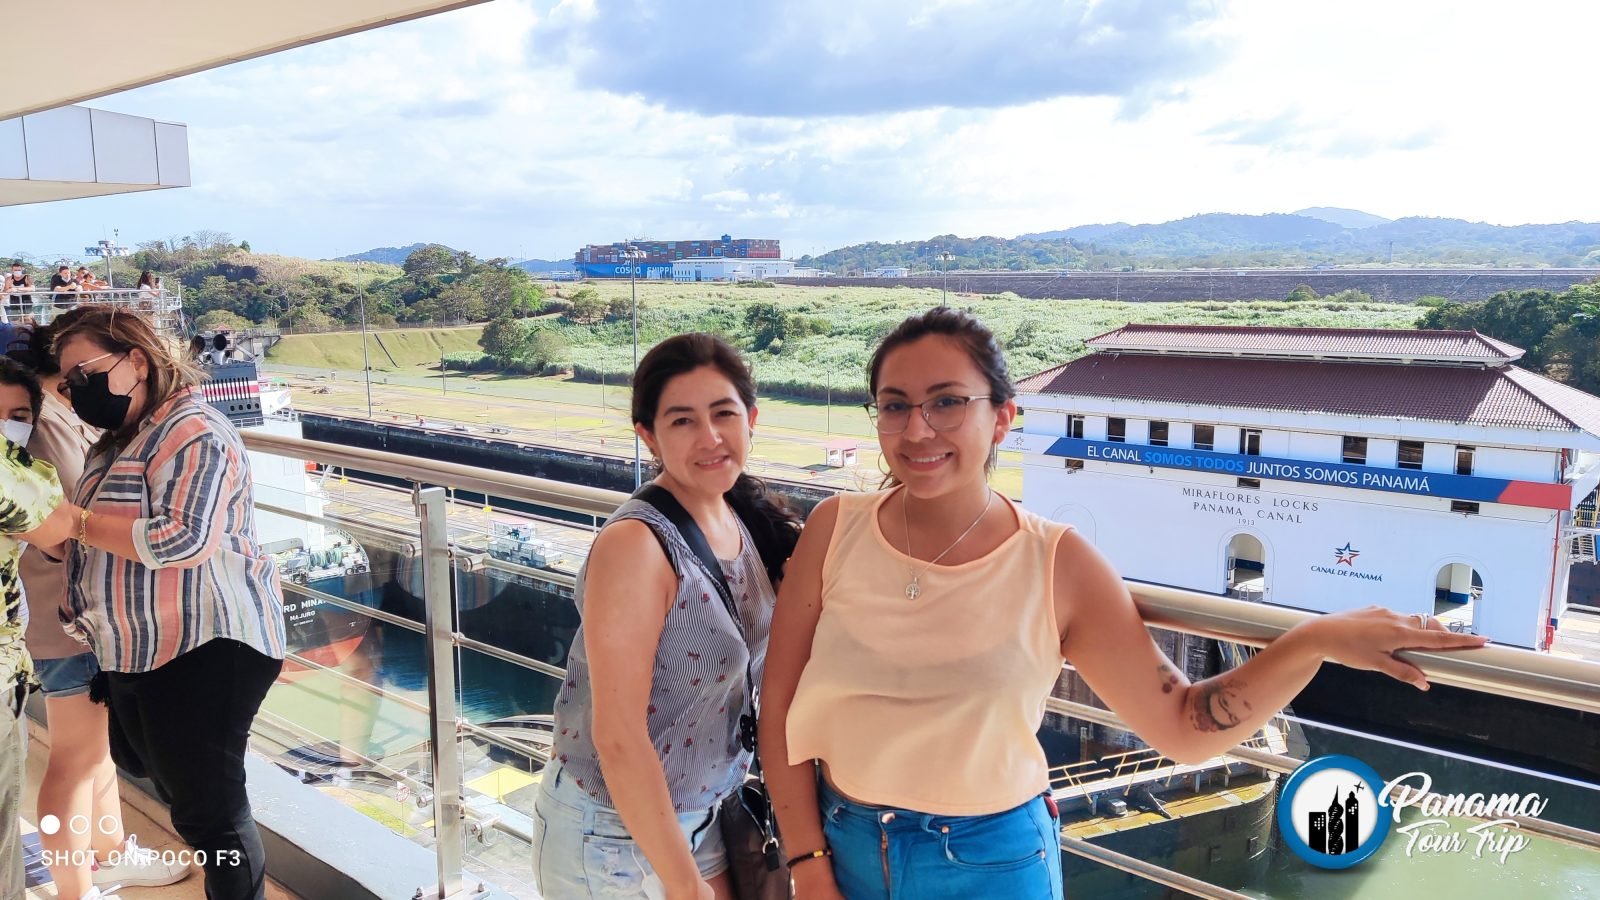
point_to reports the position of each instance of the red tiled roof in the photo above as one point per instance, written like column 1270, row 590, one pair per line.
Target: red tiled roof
column 1397, row 343
column 1506, row 396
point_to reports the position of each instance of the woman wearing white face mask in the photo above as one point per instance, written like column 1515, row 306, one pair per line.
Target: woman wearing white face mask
column 30, row 504
column 18, row 293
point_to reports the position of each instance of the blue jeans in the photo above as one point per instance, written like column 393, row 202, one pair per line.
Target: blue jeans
column 884, row 853
column 66, row 677
column 582, row 849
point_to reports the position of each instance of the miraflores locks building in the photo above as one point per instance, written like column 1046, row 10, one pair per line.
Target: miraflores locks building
column 1322, row 468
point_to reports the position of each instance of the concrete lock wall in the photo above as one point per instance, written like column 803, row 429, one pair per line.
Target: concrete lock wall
column 1397, row 286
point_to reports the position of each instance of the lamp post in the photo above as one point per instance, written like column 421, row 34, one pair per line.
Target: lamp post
column 944, row 296
column 366, row 364
column 108, row 249
column 634, row 254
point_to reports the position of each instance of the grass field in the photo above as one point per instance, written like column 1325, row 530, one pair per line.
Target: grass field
column 1037, row 334
column 796, row 416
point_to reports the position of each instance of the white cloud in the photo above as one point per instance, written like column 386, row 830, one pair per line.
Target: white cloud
column 477, row 129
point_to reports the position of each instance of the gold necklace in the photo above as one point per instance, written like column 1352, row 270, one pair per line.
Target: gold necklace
column 913, row 587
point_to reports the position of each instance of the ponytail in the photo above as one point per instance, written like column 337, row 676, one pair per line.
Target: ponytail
column 772, row 523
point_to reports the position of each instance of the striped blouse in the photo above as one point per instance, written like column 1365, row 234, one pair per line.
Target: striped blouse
column 201, row 574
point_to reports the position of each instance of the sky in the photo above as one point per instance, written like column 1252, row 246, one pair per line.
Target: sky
column 528, row 128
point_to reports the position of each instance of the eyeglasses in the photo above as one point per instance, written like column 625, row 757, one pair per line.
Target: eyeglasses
column 78, row 377
column 942, row 413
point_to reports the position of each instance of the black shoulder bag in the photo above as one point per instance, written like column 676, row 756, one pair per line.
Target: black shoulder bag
column 755, row 863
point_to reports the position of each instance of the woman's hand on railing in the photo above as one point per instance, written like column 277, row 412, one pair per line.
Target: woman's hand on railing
column 1368, row 638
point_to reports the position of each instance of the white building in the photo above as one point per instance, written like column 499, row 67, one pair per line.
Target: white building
column 890, row 272
column 1325, row 469
column 721, row 268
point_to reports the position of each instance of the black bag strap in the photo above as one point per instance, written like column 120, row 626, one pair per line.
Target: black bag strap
column 668, row 505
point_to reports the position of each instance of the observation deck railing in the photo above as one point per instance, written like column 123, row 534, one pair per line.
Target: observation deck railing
column 387, row 721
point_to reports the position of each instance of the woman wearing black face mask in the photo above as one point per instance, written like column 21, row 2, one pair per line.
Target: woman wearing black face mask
column 169, row 586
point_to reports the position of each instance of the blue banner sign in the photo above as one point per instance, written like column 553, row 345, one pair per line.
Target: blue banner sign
column 1372, row 478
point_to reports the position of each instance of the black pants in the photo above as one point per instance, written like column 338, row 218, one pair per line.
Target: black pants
column 186, row 725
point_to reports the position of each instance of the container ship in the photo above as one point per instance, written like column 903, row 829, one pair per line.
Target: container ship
column 611, row 261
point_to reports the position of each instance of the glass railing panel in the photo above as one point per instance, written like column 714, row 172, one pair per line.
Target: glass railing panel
column 1219, row 822
column 1443, row 855
column 516, row 620
column 349, row 715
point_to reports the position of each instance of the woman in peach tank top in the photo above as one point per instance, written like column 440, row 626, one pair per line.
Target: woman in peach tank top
column 920, row 629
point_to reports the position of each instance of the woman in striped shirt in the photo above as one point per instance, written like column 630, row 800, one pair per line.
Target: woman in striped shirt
column 169, row 586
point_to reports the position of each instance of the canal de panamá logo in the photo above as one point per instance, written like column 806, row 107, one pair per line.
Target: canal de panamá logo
column 1344, row 565
column 1331, row 814
column 1335, row 812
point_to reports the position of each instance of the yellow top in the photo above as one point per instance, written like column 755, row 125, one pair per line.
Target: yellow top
column 930, row 704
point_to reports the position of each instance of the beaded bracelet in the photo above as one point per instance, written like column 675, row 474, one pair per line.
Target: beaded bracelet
column 815, row 854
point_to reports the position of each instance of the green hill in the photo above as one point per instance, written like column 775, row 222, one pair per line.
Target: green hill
column 389, row 351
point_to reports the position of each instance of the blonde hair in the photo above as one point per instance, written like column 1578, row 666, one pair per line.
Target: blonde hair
column 121, row 331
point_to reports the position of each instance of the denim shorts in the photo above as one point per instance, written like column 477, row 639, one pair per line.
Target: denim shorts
column 66, row 677
column 886, row 853
column 582, row 849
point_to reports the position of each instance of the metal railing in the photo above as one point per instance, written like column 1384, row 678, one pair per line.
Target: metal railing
column 1503, row 671
column 164, row 307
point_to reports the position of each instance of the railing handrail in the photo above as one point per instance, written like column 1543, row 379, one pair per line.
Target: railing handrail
column 1504, row 671
column 543, row 491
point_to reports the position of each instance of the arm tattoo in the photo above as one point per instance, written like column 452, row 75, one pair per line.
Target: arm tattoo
column 1215, row 705
column 1169, row 677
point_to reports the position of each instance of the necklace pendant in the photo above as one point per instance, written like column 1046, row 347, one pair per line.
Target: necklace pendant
column 913, row 591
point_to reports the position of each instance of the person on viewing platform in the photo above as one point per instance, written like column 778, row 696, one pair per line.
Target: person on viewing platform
column 169, row 586
column 921, row 628
column 18, row 289
column 648, row 723
column 31, row 510
column 80, row 780
column 87, row 281
column 64, row 293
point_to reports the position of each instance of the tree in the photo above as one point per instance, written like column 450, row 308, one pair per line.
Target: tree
column 1027, row 332
column 245, row 246
column 221, row 318
column 622, row 307
column 508, row 292
column 505, row 339
column 429, row 262
column 765, row 322
column 1348, row 295
column 585, row 306
column 1302, row 294
column 212, row 243
column 458, row 302
column 308, row 314
column 546, row 347
column 1560, row 333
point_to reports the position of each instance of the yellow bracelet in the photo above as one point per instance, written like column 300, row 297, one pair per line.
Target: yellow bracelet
column 807, row 857
column 83, row 526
